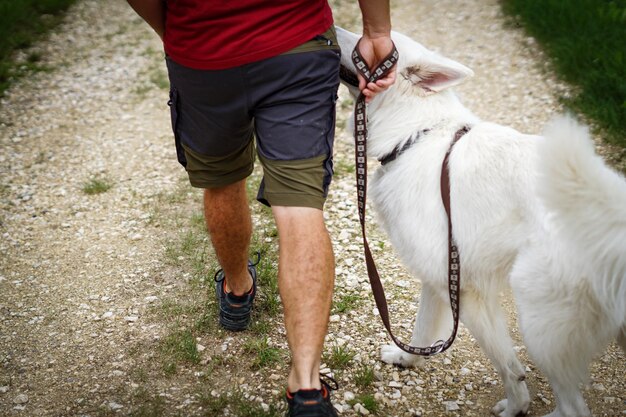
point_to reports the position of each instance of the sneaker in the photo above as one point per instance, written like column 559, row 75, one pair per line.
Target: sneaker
column 312, row 402
column 235, row 309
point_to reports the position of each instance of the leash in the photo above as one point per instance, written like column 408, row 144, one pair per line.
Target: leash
column 454, row 270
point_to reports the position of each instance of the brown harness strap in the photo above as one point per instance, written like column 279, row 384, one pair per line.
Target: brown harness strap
column 454, row 272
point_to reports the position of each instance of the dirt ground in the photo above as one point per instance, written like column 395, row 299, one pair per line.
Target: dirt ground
column 106, row 297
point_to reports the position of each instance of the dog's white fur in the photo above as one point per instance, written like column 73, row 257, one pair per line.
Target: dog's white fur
column 545, row 213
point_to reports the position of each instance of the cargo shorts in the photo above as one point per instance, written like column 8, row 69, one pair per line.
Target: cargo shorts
column 286, row 104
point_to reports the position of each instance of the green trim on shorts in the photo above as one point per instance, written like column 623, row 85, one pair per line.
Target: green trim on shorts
column 298, row 183
column 208, row 171
column 318, row 43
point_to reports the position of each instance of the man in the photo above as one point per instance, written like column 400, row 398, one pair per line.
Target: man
column 266, row 69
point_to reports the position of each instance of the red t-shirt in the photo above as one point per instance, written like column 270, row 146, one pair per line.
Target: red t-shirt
column 219, row 34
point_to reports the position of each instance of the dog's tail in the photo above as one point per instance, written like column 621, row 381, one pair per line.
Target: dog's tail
column 588, row 205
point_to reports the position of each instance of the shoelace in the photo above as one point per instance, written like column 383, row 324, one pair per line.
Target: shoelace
column 328, row 383
column 326, row 380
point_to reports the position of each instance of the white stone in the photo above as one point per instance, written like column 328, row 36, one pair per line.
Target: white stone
column 452, row 406
column 361, row 410
column 20, row 399
column 115, row 406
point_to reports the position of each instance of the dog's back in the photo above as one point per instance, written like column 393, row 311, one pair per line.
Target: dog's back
column 588, row 203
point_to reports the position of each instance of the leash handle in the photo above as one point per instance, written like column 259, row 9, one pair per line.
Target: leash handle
column 360, row 137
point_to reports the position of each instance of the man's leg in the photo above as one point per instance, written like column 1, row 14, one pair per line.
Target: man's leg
column 306, row 275
column 228, row 221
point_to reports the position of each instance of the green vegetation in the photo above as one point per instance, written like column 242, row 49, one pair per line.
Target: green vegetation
column 368, row 402
column 96, row 185
column 21, row 23
column 266, row 355
column 343, row 165
column 364, row 377
column 339, row 357
column 148, row 403
column 345, row 303
column 238, row 405
column 179, row 346
column 586, row 40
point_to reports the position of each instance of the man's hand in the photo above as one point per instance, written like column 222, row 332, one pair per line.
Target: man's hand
column 374, row 51
column 375, row 44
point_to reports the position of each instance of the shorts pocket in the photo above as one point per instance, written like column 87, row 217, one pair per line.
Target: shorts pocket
column 330, row 139
column 175, row 114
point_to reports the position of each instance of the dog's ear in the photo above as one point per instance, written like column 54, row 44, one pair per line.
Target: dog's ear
column 435, row 73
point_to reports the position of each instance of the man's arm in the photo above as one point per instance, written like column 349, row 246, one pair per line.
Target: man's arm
column 376, row 43
column 153, row 12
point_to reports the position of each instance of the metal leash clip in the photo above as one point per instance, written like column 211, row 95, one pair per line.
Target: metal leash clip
column 441, row 344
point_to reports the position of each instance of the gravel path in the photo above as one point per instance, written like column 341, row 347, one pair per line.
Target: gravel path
column 92, row 286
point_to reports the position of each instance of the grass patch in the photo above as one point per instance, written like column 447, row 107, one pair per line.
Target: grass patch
column 22, row 23
column 261, row 326
column 265, row 241
column 268, row 302
column 265, row 355
column 213, row 405
column 237, row 405
column 364, row 377
column 368, row 402
column 585, row 40
column 158, row 77
column 191, row 249
column 343, row 167
column 148, row 405
column 339, row 357
column 179, row 346
column 346, row 303
column 97, row 185
column 173, row 310
column 207, row 322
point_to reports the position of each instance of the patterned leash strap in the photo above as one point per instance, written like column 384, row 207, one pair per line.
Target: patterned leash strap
column 360, row 137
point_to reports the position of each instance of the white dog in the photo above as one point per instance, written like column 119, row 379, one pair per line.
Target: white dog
column 566, row 257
